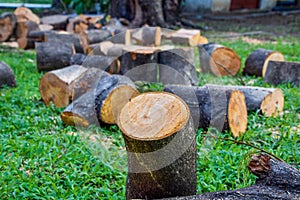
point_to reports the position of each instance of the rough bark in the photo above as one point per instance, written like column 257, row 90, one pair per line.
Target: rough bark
column 214, row 106
column 270, row 101
column 276, row 180
column 160, row 142
column 106, row 48
column 283, row 72
column 7, row 76
column 123, row 37
column 182, row 61
column 7, row 26
column 147, row 36
column 171, row 11
column 218, row 60
column 97, row 36
column 152, row 12
column 53, row 55
column 122, row 9
column 257, row 62
column 59, row 22
column 57, row 86
column 111, row 94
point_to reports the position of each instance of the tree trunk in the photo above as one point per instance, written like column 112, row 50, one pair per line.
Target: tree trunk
column 7, row 76
column 161, row 147
column 218, row 60
column 7, row 26
column 111, row 94
column 182, row 61
column 257, row 62
column 122, row 9
column 171, row 11
column 59, row 22
column 214, row 106
column 276, row 180
column 57, row 86
column 270, row 101
column 53, row 55
column 283, row 72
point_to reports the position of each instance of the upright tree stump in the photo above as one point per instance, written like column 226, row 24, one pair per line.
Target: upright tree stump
column 160, row 142
column 7, row 76
column 218, row 60
column 257, row 62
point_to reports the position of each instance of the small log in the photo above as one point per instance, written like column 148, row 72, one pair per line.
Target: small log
column 186, row 37
column 276, row 180
column 283, row 72
column 53, row 55
column 161, row 147
column 59, row 22
column 78, row 24
column 216, row 106
column 106, row 48
column 111, row 94
column 106, row 63
column 218, row 60
column 23, row 29
column 97, row 36
column 147, row 36
column 25, row 14
column 7, row 26
column 46, row 27
column 202, row 40
column 181, row 60
column 270, row 101
column 123, row 37
column 57, row 86
column 7, row 76
column 80, row 41
column 257, row 62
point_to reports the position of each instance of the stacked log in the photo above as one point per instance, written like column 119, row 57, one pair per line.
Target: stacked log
column 59, row 22
column 7, row 76
column 186, row 37
column 7, row 26
column 97, row 36
column 25, row 14
column 147, row 36
column 22, row 32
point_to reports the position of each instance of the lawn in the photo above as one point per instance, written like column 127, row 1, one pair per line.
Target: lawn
column 41, row 158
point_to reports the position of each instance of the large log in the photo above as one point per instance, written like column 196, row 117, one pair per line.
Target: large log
column 270, row 101
column 57, row 86
column 218, row 60
column 59, row 22
column 283, row 72
column 7, row 76
column 25, row 14
column 185, row 37
column 147, row 36
column 160, row 142
column 214, row 106
column 276, row 180
column 22, row 31
column 111, row 94
column 97, row 36
column 53, row 55
column 7, row 26
column 182, row 61
column 257, row 62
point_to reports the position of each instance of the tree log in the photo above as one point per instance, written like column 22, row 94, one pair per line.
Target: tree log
column 123, row 37
column 106, row 48
column 216, row 106
column 218, row 60
column 97, row 36
column 80, row 41
column 181, row 60
column 25, row 14
column 276, row 180
column 7, row 76
column 270, row 101
column 147, row 36
column 7, row 26
column 111, row 94
column 202, row 40
column 46, row 27
column 23, row 29
column 283, row 72
column 257, row 62
column 57, row 86
column 185, row 37
column 160, row 142
column 53, row 55
column 59, row 22
column 78, row 24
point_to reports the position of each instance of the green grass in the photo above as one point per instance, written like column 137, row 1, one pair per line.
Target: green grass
column 41, row 159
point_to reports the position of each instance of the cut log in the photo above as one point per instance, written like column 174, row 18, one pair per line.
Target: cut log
column 257, row 62
column 97, row 36
column 59, row 22
column 46, row 27
column 123, row 37
column 106, row 48
column 147, row 36
column 218, row 60
column 7, row 76
column 270, row 101
column 80, row 41
column 186, row 37
column 160, row 142
column 57, row 86
column 53, row 55
column 214, row 106
column 111, row 94
column 106, row 63
column 283, row 72
column 202, row 40
column 276, row 180
column 25, row 14
column 78, row 24
column 24, row 28
column 7, row 26
column 177, row 67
